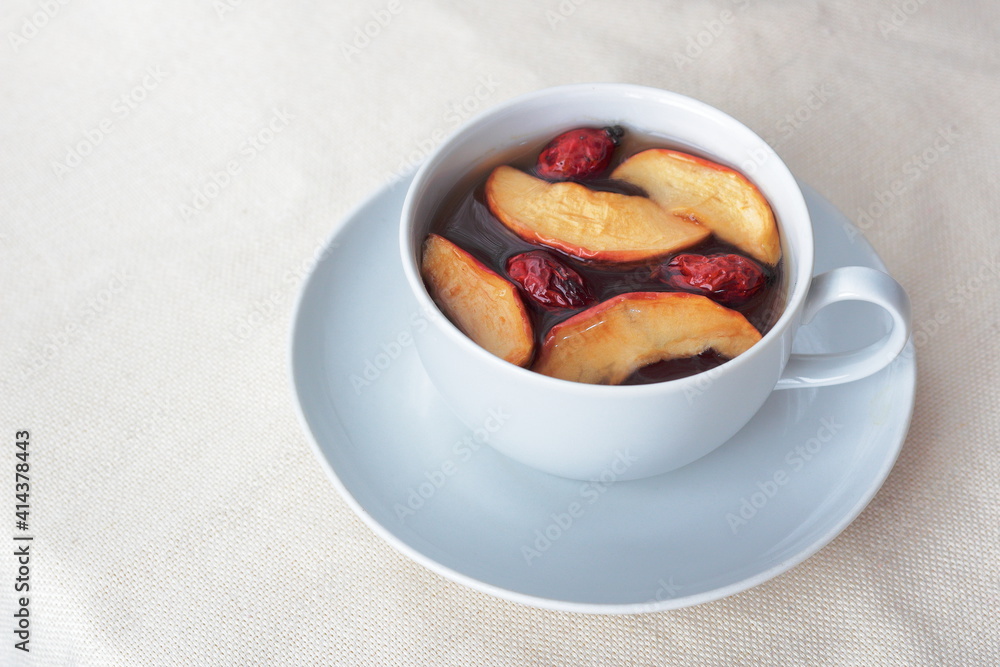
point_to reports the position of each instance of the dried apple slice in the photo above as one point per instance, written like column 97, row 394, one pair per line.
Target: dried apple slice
column 585, row 223
column 718, row 197
column 608, row 342
column 485, row 306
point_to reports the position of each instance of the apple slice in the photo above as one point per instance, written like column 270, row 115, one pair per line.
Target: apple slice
column 718, row 197
column 485, row 306
column 608, row 342
column 585, row 223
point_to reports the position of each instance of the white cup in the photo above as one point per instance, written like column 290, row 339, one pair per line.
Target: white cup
column 580, row 430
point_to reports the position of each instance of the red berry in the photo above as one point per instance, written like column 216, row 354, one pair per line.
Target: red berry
column 547, row 281
column 581, row 153
column 732, row 280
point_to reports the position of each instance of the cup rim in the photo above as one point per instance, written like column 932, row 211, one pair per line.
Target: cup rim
column 799, row 282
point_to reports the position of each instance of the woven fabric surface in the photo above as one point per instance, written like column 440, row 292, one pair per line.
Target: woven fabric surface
column 168, row 173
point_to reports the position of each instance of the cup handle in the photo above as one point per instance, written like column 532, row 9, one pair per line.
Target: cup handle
column 850, row 283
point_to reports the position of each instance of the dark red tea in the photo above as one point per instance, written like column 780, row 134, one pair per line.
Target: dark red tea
column 465, row 219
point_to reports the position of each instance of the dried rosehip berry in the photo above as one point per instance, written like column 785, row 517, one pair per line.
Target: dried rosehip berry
column 548, row 282
column 580, row 153
column 732, row 280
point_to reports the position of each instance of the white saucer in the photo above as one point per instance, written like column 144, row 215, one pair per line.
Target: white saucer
column 752, row 509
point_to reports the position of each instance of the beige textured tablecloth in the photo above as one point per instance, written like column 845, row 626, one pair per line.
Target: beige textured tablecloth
column 167, row 171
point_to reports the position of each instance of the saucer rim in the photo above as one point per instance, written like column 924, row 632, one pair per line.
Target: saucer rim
column 848, row 517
